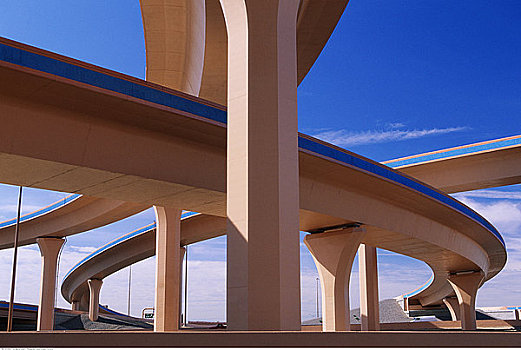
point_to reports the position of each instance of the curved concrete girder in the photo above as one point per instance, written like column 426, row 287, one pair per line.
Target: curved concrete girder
column 202, row 227
column 127, row 150
column 214, row 78
column 174, row 41
column 112, row 258
column 465, row 168
column 316, row 21
column 79, row 215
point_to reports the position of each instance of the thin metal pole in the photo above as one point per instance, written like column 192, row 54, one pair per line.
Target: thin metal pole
column 15, row 259
column 317, row 295
column 129, row 283
column 186, row 285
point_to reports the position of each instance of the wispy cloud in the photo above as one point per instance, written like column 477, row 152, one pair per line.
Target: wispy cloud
column 347, row 138
column 492, row 194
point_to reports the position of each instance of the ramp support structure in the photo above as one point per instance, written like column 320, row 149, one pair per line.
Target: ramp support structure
column 94, row 288
column 452, row 304
column 263, row 276
column 49, row 250
column 466, row 287
column 333, row 253
column 168, row 269
column 369, row 301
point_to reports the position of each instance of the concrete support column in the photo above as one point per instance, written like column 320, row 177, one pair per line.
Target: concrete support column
column 75, row 306
column 517, row 313
column 406, row 304
column 452, row 304
column 263, row 277
column 466, row 287
column 168, row 270
column 94, row 289
column 333, row 253
column 182, row 252
column 84, row 302
column 49, row 250
column 369, row 301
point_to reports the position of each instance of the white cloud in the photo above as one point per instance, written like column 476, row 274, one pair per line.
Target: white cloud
column 347, row 138
column 491, row 194
column 396, row 125
column 504, row 214
column 503, row 210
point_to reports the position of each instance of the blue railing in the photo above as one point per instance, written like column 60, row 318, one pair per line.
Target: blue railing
column 25, row 307
column 350, row 159
column 454, row 152
column 71, row 71
column 121, row 239
column 42, row 211
column 420, row 289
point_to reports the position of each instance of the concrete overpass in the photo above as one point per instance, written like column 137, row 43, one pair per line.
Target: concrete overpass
column 71, row 215
column 475, row 166
column 495, row 150
column 82, row 112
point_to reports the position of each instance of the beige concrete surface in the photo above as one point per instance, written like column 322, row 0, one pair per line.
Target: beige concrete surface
column 333, row 253
column 82, row 214
column 186, row 42
column 94, row 288
column 369, row 301
column 452, row 304
column 473, row 171
column 168, row 270
column 262, row 191
column 407, row 327
column 259, row 339
column 132, row 136
column 49, row 250
column 174, row 41
column 193, row 229
column 466, row 287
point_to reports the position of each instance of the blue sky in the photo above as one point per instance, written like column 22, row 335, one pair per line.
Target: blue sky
column 396, row 78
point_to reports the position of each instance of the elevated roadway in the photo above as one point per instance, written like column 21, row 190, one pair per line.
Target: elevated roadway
column 186, row 42
column 463, row 168
column 131, row 248
column 475, row 166
column 496, row 151
column 104, row 134
column 71, row 215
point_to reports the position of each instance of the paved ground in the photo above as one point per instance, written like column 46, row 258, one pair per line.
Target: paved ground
column 390, row 312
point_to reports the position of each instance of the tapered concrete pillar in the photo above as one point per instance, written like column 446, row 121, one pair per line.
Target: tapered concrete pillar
column 84, row 302
column 466, row 287
column 94, row 289
column 517, row 314
column 182, row 252
column 168, row 270
column 263, row 269
column 452, row 304
column 333, row 253
column 368, row 274
column 49, row 250
column 406, row 304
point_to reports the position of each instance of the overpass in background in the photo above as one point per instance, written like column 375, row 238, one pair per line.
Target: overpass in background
column 103, row 134
column 109, row 258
